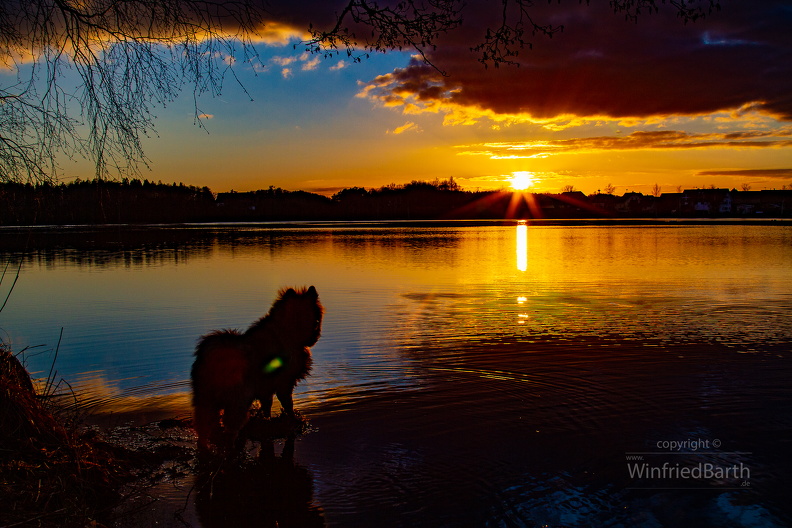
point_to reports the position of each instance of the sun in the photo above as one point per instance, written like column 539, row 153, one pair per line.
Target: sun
column 521, row 180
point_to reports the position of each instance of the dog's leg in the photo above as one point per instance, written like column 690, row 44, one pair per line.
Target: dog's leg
column 206, row 421
column 234, row 418
column 266, row 405
column 285, row 399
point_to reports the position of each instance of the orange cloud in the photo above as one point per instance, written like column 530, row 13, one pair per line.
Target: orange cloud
column 406, row 127
column 655, row 140
column 275, row 33
column 433, row 94
column 750, row 173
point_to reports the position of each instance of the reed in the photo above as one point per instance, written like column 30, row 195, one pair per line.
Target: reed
column 53, row 473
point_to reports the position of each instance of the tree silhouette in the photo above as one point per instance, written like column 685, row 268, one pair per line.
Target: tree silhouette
column 128, row 55
column 656, row 190
column 396, row 25
column 132, row 56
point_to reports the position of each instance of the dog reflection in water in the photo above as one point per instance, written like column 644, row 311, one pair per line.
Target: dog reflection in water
column 271, row 491
column 233, row 369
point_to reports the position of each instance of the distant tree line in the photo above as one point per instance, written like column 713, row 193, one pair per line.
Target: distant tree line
column 103, row 202
column 139, row 202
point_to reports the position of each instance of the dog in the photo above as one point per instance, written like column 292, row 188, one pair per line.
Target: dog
column 232, row 369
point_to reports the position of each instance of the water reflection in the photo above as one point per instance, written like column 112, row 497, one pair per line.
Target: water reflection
column 134, row 321
column 267, row 492
column 451, row 387
column 105, row 248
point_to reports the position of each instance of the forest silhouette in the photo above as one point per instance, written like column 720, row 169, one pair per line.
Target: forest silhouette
column 91, row 202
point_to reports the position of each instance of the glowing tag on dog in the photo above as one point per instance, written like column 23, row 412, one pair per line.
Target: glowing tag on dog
column 273, row 365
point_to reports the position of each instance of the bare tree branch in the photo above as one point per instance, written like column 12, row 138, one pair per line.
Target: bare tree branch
column 408, row 24
column 687, row 10
column 502, row 45
column 130, row 56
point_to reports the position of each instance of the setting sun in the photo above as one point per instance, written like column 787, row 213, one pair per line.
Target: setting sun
column 521, row 180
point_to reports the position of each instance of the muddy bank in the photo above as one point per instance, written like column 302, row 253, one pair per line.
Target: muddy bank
column 56, row 471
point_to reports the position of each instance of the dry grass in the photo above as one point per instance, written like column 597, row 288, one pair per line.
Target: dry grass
column 52, row 474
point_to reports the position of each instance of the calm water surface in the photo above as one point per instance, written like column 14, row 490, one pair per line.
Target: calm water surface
column 487, row 375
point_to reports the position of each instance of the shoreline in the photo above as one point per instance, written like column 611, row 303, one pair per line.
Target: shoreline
column 297, row 224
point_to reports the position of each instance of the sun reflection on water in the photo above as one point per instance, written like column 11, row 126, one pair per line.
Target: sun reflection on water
column 522, row 246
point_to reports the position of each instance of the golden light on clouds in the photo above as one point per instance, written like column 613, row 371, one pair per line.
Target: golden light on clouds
column 408, row 126
column 434, row 98
column 574, row 148
column 639, row 140
column 419, row 89
column 276, row 33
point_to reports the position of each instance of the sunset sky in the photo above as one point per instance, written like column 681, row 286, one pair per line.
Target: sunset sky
column 606, row 101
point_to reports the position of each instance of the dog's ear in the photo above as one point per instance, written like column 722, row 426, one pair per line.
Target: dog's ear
column 312, row 292
column 288, row 293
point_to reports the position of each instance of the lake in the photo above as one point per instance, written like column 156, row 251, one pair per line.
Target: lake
column 468, row 374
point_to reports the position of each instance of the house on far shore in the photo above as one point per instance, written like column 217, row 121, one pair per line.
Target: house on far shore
column 775, row 203
column 606, row 203
column 671, row 204
column 708, row 201
column 728, row 203
column 631, row 203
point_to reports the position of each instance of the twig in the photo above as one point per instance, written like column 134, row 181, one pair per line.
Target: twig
column 50, row 376
column 27, row 522
column 16, row 278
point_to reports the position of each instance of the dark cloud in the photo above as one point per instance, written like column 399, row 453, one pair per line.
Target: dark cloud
column 751, row 173
column 602, row 65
